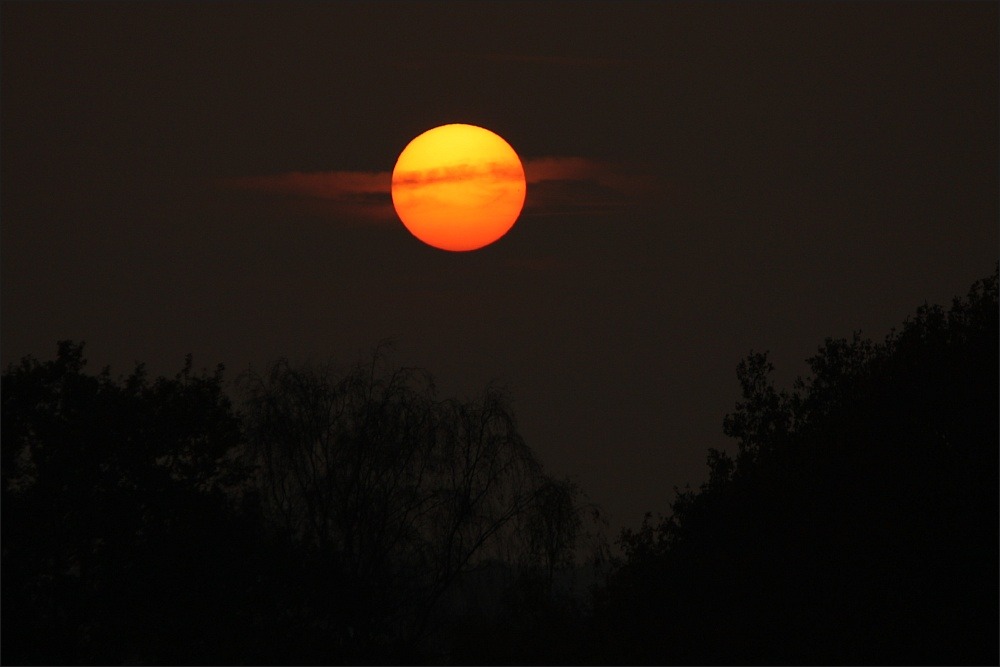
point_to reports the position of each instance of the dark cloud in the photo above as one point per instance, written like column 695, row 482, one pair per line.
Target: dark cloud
column 556, row 186
column 322, row 185
column 492, row 170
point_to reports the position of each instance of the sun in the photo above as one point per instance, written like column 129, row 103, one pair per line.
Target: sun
column 458, row 187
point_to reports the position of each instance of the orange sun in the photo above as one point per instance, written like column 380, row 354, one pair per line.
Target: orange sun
column 458, row 187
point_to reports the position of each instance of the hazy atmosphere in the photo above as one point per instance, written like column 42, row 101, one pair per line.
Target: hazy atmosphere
column 703, row 180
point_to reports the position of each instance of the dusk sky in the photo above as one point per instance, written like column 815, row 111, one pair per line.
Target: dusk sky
column 704, row 179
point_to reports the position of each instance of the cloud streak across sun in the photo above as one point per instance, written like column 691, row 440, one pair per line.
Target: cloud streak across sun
column 492, row 171
column 557, row 186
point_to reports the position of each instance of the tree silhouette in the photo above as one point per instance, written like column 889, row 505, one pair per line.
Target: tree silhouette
column 353, row 516
column 327, row 522
column 856, row 524
column 118, row 545
column 402, row 492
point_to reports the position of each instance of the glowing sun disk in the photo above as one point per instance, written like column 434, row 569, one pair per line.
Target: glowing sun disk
column 458, row 187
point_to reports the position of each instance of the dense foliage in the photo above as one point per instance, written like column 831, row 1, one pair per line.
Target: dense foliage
column 857, row 523
column 352, row 516
column 117, row 543
column 335, row 517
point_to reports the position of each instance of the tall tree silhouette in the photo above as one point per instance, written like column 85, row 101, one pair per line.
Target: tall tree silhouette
column 857, row 522
column 400, row 491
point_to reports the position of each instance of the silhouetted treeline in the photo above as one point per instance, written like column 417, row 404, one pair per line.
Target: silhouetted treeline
column 857, row 524
column 118, row 543
column 335, row 516
column 325, row 516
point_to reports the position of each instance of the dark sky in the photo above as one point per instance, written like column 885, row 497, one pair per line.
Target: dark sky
column 704, row 179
